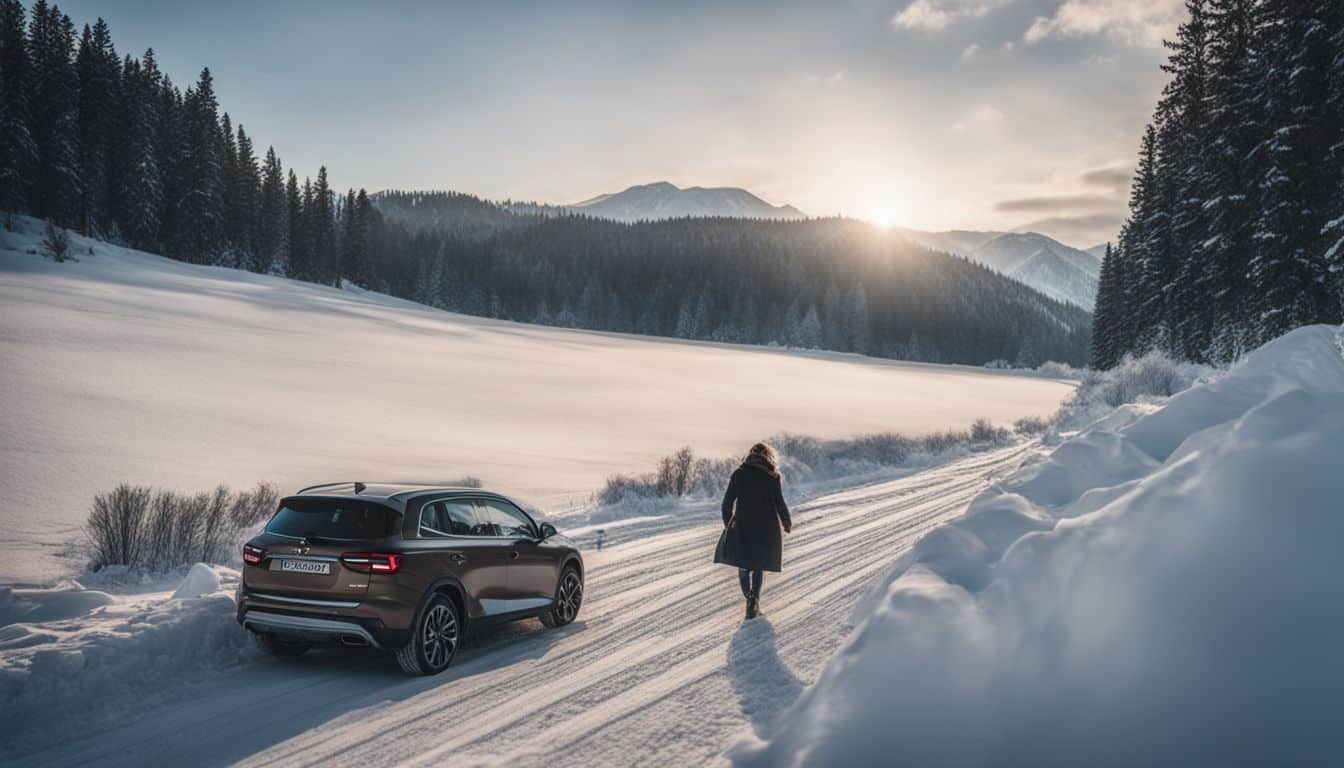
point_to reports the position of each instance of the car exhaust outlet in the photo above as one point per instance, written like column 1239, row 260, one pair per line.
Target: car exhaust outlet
column 354, row 640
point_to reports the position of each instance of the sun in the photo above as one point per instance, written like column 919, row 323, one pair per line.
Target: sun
column 883, row 216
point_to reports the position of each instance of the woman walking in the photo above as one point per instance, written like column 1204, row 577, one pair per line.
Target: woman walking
column 753, row 512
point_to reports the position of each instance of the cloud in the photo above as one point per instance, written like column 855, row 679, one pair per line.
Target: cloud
column 1080, row 231
column 936, row 15
column 1056, row 203
column 1131, row 22
column 982, row 117
column 1116, row 177
column 970, row 52
column 815, row 77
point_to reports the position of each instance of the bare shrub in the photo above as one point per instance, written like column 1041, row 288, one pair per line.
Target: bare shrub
column 154, row 531
column 1031, row 425
column 682, row 463
column 56, row 242
column 935, row 443
column 116, row 523
column 1151, row 375
column 621, row 487
column 984, row 431
column 802, row 459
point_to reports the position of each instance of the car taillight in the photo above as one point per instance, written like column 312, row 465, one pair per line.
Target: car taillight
column 253, row 555
column 369, row 562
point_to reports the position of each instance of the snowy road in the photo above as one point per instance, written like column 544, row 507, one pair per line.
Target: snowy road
column 659, row 669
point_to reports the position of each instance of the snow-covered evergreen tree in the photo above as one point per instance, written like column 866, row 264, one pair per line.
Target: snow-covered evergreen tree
column 272, row 217
column 100, row 92
column 139, row 197
column 18, row 151
column 200, row 204
column 55, row 187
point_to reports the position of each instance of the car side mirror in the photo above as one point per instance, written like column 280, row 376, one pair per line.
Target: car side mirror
column 547, row 531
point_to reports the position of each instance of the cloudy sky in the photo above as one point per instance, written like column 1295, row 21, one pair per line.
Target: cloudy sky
column 978, row 114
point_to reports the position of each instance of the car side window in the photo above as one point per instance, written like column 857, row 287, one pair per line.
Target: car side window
column 502, row 519
column 447, row 518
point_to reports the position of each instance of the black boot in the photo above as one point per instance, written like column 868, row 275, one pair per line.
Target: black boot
column 752, row 607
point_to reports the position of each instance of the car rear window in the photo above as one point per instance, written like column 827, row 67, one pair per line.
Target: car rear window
column 333, row 519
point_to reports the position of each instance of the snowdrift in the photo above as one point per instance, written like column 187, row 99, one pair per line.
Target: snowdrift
column 68, row 650
column 1162, row 589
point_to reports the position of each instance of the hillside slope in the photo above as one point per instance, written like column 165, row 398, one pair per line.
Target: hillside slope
column 124, row 366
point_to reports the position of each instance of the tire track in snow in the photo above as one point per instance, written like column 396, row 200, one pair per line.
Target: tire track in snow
column 653, row 626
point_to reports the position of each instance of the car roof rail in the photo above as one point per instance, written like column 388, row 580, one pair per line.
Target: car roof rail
column 323, row 485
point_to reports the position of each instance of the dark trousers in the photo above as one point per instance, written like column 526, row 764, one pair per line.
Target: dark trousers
column 750, row 581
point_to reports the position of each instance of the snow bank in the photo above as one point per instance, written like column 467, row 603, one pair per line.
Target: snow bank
column 201, row 580
column 1165, row 592
column 71, row 650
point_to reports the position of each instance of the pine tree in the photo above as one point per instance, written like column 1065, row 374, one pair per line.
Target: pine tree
column 272, row 217
column 1102, row 356
column 1333, row 230
column 300, row 203
column 858, row 328
column 55, row 189
column 322, row 223
column 1148, row 247
column 99, row 71
column 355, row 262
column 1235, row 121
column 1189, row 305
column 809, row 329
column 173, row 167
column 1288, row 269
column 18, row 151
column 201, row 204
column 140, row 185
column 245, row 204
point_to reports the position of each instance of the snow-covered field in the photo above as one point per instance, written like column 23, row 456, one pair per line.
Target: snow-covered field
column 1162, row 589
column 123, row 366
column 1159, row 588
column 659, row 669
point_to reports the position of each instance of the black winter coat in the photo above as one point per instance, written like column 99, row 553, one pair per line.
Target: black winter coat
column 760, row 509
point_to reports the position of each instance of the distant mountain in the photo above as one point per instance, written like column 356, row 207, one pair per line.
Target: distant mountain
column 961, row 242
column 662, row 200
column 1098, row 250
column 1051, row 267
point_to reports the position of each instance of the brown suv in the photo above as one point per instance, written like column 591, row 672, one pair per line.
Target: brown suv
column 404, row 568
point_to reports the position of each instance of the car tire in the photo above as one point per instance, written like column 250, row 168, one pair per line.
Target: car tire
column 568, row 599
column 279, row 646
column 435, row 636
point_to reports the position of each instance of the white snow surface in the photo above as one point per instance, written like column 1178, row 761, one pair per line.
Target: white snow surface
column 1162, row 589
column 659, row 669
column 128, row 367
column 70, row 652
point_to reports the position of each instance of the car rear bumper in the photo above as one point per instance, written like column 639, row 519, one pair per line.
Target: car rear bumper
column 309, row 628
column 377, row 620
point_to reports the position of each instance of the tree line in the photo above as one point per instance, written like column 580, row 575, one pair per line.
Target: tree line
column 823, row 284
column 110, row 146
column 1236, row 227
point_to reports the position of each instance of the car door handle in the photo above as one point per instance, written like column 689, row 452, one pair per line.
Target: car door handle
column 513, row 555
column 458, row 557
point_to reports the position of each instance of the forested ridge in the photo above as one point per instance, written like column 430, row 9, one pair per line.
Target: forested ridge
column 1236, row 225
column 110, row 146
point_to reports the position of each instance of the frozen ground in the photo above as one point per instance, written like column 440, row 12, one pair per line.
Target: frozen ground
column 660, row 668
column 124, row 366
column 1162, row 589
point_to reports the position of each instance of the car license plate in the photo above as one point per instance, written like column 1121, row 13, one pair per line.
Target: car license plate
column 305, row 566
